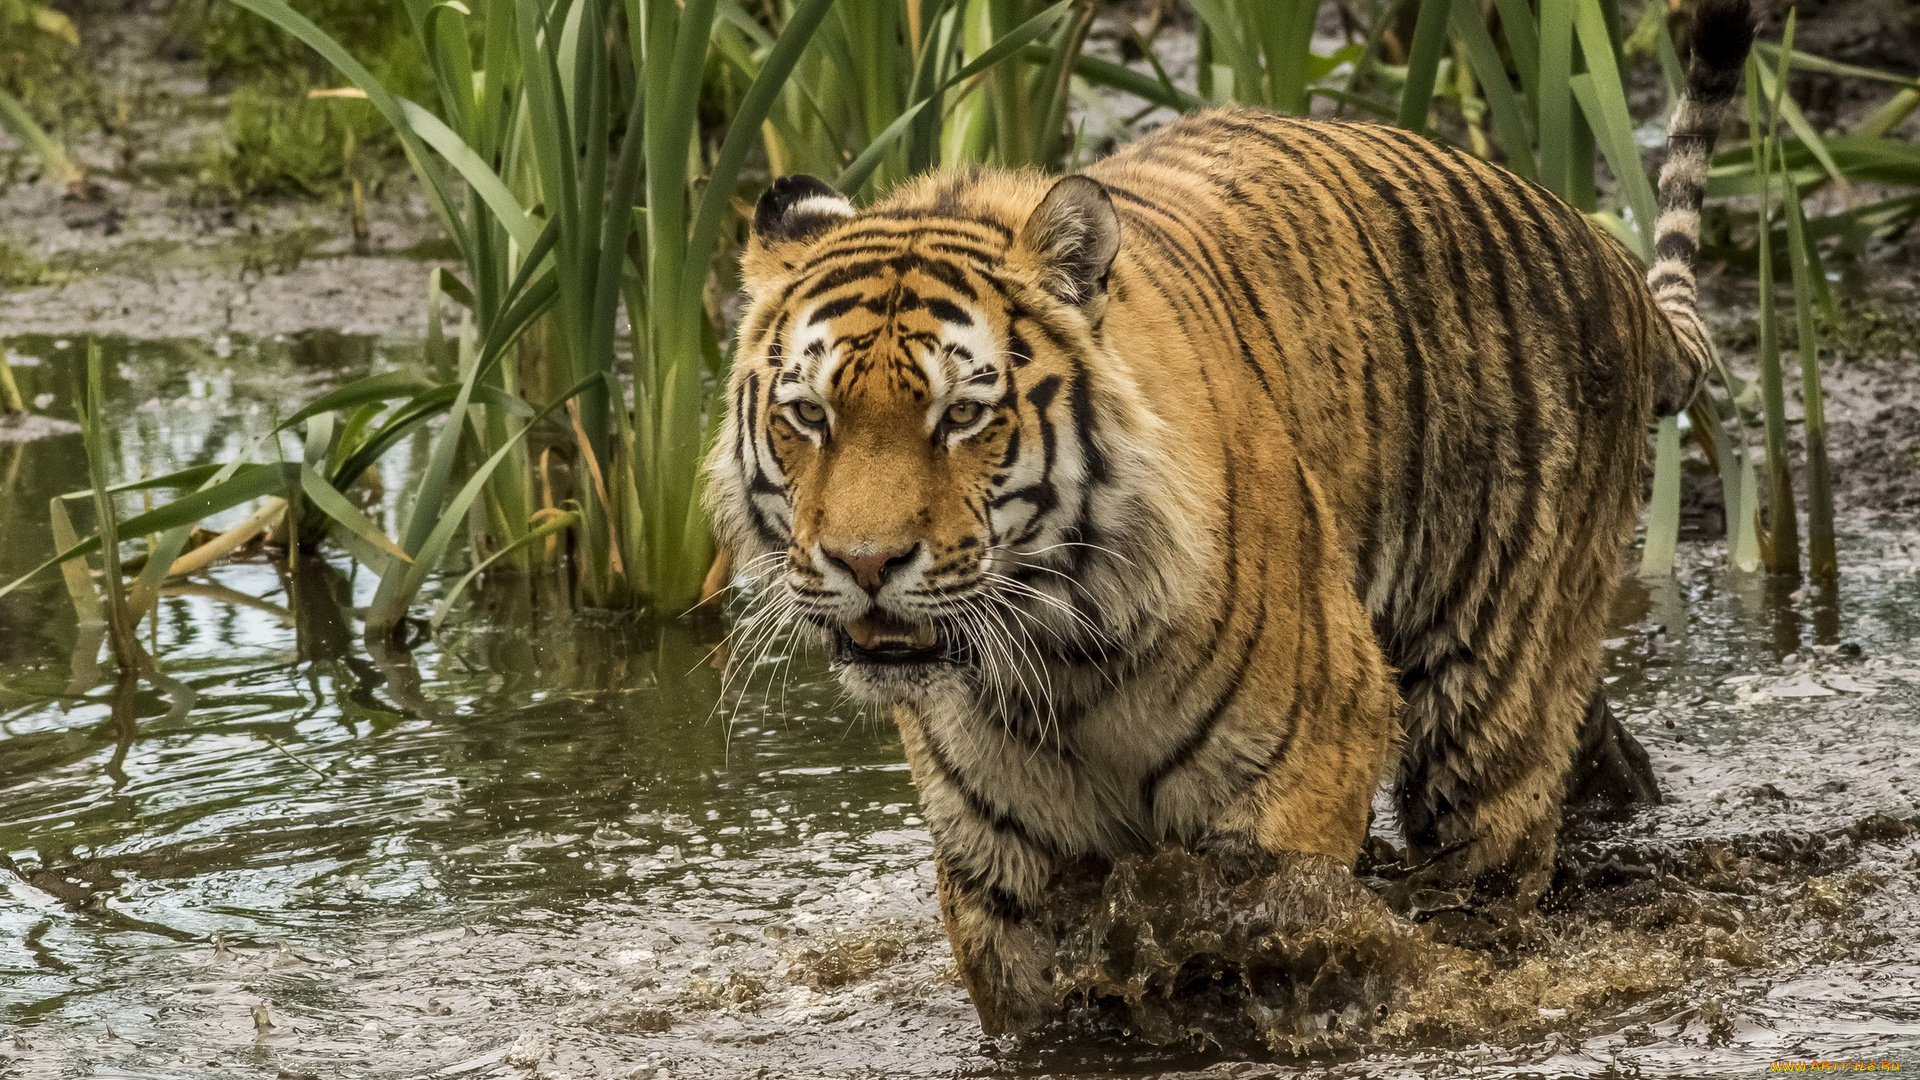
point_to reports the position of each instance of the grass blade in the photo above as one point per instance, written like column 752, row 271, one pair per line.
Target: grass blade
column 1783, row 529
column 120, row 625
column 402, row 581
column 92, row 628
column 383, row 387
column 1727, row 448
column 1663, row 508
column 555, row 523
column 79, row 580
column 1490, row 71
column 855, row 175
column 1056, row 85
column 1809, row 62
column 1809, row 138
column 1553, row 96
column 1423, row 63
column 484, row 181
column 745, row 126
column 14, row 118
column 1602, row 97
column 1614, row 134
column 1518, row 30
column 1230, row 43
column 1822, row 561
column 1290, row 59
column 1126, row 80
column 327, row 499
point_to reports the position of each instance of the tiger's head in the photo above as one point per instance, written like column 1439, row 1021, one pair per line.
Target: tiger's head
column 928, row 455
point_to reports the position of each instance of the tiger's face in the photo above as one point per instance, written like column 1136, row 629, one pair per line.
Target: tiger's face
column 917, row 456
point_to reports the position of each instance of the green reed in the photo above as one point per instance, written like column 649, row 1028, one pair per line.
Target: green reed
column 1767, row 106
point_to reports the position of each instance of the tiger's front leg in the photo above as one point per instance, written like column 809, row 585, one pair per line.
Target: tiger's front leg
column 991, row 875
column 1314, row 796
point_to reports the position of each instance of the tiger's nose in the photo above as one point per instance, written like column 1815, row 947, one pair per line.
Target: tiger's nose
column 871, row 567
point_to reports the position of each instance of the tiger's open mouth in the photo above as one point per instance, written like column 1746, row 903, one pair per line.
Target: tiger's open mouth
column 882, row 638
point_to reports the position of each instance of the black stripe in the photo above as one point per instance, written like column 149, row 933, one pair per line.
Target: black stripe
column 1220, row 234
column 1665, row 276
column 994, row 900
column 1182, row 255
column 833, row 309
column 984, row 256
column 1311, row 605
column 844, row 274
column 1522, row 427
column 949, row 312
column 1216, row 709
column 898, row 263
column 1040, row 493
column 1675, row 245
column 1020, row 349
column 946, row 273
column 1080, row 399
column 1412, row 474
column 1000, row 821
column 930, row 222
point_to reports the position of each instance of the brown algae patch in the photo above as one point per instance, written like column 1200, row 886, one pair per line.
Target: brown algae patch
column 737, row 990
column 842, row 958
column 832, row 961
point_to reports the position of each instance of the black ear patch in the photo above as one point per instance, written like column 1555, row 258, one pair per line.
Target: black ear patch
column 797, row 208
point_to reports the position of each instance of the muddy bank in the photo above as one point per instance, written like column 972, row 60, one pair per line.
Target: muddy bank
column 376, row 297
column 1302, row 959
column 145, row 249
column 1869, row 361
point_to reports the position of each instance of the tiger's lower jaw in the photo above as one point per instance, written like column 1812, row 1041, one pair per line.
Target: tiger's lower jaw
column 937, row 663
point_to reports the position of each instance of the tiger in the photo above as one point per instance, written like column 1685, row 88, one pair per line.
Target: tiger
column 1189, row 499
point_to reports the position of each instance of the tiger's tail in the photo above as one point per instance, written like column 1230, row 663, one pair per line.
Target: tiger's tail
column 1722, row 34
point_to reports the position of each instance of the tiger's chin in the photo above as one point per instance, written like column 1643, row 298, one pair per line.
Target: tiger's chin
column 887, row 658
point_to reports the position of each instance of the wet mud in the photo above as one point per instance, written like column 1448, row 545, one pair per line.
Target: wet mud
column 1173, row 948
column 143, row 250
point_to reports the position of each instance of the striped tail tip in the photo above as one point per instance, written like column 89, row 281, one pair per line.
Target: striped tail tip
column 1722, row 35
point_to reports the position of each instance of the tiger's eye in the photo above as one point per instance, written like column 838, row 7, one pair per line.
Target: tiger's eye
column 962, row 413
column 811, row 412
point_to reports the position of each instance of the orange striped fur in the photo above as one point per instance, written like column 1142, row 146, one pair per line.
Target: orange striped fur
column 1180, row 501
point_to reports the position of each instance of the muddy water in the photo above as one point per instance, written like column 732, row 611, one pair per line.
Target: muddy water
column 553, row 846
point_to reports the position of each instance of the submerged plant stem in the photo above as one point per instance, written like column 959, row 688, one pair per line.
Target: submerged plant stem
column 1783, row 547
column 1822, row 562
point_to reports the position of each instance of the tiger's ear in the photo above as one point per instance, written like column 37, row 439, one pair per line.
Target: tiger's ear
column 1071, row 239
column 791, row 212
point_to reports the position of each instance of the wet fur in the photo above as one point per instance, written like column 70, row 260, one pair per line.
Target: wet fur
column 1330, row 467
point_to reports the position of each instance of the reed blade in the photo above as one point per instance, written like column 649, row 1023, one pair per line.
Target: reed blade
column 1663, row 508
column 1423, row 63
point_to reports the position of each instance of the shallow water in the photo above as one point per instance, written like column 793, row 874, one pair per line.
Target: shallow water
column 550, row 846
